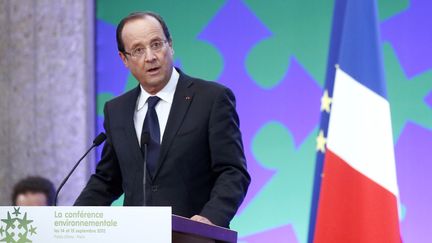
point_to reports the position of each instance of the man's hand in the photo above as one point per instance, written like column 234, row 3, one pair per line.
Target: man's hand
column 201, row 219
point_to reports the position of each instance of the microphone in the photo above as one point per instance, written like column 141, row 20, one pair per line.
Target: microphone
column 96, row 142
column 145, row 138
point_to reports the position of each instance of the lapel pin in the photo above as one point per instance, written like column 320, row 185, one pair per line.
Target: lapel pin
column 187, row 97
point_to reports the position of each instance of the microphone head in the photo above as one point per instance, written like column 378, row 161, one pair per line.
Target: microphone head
column 99, row 139
column 145, row 138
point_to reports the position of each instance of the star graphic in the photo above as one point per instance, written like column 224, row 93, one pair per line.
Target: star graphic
column 326, row 101
column 8, row 238
column 16, row 211
column 32, row 230
column 9, row 222
column 2, row 230
column 24, row 222
column 23, row 238
column 321, row 142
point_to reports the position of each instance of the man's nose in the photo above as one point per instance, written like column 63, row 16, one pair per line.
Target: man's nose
column 149, row 56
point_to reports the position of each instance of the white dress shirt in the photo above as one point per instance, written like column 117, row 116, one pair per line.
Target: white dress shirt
column 162, row 108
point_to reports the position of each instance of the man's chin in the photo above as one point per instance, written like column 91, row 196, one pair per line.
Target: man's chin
column 153, row 85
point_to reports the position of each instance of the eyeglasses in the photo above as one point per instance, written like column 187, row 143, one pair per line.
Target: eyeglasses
column 139, row 51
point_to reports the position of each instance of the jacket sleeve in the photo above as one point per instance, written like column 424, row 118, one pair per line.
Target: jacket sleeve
column 228, row 161
column 105, row 185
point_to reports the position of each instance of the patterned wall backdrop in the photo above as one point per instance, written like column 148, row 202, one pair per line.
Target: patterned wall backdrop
column 273, row 55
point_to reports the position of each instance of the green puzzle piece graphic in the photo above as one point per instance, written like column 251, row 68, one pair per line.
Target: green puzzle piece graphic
column 286, row 198
column 388, row 8
column 406, row 96
column 300, row 29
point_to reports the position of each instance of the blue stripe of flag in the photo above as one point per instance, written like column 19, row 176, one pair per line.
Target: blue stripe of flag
column 360, row 52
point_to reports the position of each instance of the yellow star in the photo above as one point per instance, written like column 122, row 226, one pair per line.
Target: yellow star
column 321, row 142
column 326, row 102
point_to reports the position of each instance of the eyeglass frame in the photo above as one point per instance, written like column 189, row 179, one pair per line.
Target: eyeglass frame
column 158, row 49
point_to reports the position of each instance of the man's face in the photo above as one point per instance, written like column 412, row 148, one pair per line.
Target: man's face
column 153, row 69
column 32, row 199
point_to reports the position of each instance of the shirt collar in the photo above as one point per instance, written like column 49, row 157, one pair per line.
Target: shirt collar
column 165, row 94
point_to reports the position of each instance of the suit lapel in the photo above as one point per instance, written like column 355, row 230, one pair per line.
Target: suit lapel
column 182, row 99
column 129, row 128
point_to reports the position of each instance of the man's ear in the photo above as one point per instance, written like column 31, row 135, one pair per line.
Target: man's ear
column 124, row 58
column 170, row 44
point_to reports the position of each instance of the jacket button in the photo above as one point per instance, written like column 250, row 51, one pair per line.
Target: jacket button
column 154, row 188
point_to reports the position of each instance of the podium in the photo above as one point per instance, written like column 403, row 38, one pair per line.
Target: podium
column 185, row 230
column 105, row 224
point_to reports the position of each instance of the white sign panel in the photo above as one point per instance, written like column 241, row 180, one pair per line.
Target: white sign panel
column 85, row 224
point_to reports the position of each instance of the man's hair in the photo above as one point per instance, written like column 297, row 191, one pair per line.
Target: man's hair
column 34, row 184
column 139, row 15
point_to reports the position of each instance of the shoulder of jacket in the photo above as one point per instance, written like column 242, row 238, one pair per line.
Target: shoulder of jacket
column 131, row 94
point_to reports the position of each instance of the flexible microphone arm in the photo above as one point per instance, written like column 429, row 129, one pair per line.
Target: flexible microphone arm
column 145, row 137
column 96, row 142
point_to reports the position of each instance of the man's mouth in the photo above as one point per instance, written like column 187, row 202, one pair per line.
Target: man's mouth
column 153, row 70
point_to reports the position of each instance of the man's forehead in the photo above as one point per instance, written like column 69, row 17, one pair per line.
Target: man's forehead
column 31, row 199
column 142, row 28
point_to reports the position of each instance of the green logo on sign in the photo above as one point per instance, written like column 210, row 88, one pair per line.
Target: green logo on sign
column 17, row 228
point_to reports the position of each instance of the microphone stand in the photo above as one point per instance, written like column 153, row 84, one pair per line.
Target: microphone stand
column 145, row 137
column 98, row 140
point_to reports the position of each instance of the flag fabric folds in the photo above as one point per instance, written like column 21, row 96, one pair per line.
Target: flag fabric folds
column 356, row 193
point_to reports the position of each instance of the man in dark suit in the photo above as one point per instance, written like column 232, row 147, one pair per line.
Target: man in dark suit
column 195, row 158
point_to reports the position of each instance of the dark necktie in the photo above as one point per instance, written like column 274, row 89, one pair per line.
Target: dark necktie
column 151, row 126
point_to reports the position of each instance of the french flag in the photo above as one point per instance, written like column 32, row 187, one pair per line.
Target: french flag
column 355, row 192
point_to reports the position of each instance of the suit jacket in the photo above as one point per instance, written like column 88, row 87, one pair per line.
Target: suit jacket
column 201, row 167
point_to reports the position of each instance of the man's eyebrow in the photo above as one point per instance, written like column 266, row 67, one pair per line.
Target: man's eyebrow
column 139, row 44
column 136, row 45
column 155, row 39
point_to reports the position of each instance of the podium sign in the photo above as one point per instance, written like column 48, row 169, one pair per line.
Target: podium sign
column 85, row 224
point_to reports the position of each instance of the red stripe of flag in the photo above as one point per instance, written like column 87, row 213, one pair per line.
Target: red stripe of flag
column 353, row 208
